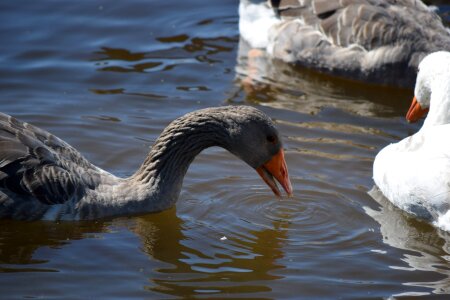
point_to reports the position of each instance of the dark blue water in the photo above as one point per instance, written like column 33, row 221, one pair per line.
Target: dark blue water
column 107, row 77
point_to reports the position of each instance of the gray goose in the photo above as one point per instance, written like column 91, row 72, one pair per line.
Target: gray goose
column 42, row 177
column 378, row 41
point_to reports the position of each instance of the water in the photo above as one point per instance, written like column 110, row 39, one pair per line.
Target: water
column 108, row 77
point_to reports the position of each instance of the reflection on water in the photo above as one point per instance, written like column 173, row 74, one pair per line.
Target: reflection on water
column 192, row 268
column 280, row 85
column 181, row 267
column 428, row 248
column 20, row 240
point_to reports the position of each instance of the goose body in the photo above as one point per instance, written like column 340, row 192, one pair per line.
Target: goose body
column 42, row 177
column 414, row 174
column 380, row 41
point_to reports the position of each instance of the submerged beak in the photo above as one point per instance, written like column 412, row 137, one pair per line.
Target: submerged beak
column 415, row 111
column 276, row 167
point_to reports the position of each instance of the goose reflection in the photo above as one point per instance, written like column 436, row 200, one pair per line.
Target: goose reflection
column 200, row 262
column 430, row 247
column 20, row 240
column 277, row 84
column 185, row 258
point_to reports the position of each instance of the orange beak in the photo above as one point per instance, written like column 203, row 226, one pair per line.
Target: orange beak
column 276, row 167
column 415, row 111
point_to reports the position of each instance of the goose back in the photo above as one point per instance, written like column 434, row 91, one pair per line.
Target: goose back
column 38, row 170
column 381, row 41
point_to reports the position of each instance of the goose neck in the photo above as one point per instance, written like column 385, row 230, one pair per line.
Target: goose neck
column 168, row 161
column 439, row 112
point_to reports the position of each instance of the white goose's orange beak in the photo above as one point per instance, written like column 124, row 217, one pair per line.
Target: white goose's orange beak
column 276, row 167
column 415, row 111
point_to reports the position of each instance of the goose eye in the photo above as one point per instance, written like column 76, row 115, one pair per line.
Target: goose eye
column 272, row 139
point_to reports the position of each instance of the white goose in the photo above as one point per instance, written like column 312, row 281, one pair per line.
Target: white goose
column 380, row 41
column 414, row 174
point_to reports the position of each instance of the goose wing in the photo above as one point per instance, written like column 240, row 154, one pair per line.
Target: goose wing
column 367, row 32
column 368, row 23
column 37, row 170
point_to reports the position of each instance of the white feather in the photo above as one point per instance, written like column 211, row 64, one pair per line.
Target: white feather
column 255, row 23
column 414, row 174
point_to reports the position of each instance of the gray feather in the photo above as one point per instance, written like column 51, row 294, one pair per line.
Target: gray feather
column 386, row 39
column 37, row 170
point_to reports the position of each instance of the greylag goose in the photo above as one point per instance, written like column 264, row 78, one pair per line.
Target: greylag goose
column 42, row 177
column 414, row 174
column 378, row 41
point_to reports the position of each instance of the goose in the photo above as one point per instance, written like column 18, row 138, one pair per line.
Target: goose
column 414, row 174
column 44, row 178
column 375, row 41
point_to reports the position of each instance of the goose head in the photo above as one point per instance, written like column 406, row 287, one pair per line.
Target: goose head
column 432, row 85
column 256, row 141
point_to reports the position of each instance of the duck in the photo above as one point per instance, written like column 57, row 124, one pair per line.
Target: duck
column 44, row 178
column 380, row 42
column 414, row 173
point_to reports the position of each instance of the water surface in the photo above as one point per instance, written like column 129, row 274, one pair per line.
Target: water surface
column 107, row 77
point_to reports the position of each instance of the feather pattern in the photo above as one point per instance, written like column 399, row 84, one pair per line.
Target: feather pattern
column 373, row 40
column 38, row 169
